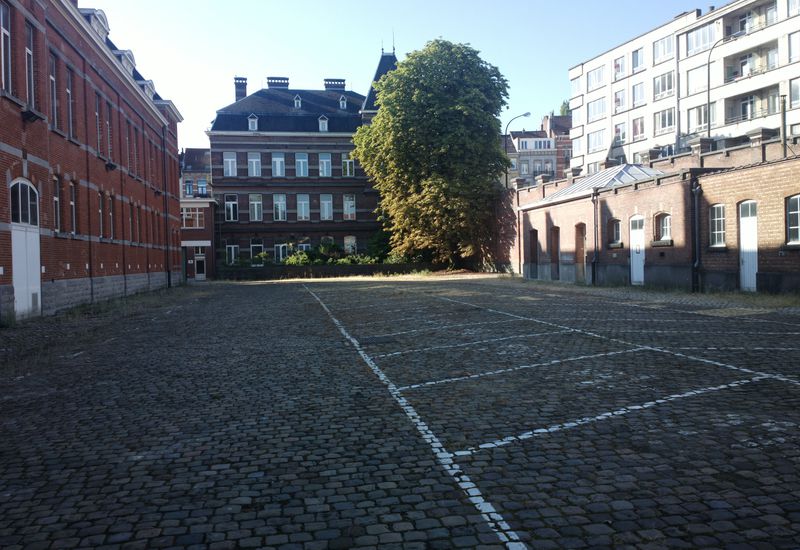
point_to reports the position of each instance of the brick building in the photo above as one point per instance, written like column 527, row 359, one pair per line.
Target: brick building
column 88, row 154
column 283, row 176
column 705, row 220
column 197, row 215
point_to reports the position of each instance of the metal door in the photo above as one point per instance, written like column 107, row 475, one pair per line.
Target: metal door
column 637, row 250
column 26, row 270
column 748, row 245
column 200, row 268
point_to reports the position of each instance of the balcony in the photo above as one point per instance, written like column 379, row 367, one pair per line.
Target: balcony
column 751, row 18
column 752, row 62
column 757, row 104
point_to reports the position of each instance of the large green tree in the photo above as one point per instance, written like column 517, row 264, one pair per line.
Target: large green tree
column 434, row 154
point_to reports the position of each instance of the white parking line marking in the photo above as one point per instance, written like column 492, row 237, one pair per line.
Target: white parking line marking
column 476, row 343
column 414, row 318
column 440, row 327
column 651, row 331
column 514, row 369
column 493, row 518
column 605, row 416
column 755, row 348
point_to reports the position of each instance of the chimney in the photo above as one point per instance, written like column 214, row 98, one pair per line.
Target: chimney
column 240, row 84
column 334, row 83
column 277, row 82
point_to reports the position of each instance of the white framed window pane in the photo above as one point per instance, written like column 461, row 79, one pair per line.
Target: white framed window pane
column 350, row 244
column 619, row 101
column 254, row 165
column 637, row 60
column 794, row 47
column 301, row 165
column 279, row 207
column 794, row 92
column 231, row 208
column 620, row 134
column 700, row 39
column 596, row 109
column 303, row 207
column 281, row 252
column 596, row 141
column 793, row 219
column 619, row 68
column 696, row 80
column 594, row 79
column 256, row 207
column 663, row 49
column 662, row 85
column 325, row 165
column 229, row 164
column 717, row 225
column 326, row 207
column 638, row 94
column 349, row 206
column 278, row 165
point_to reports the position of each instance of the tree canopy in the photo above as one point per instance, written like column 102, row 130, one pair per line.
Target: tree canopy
column 434, row 154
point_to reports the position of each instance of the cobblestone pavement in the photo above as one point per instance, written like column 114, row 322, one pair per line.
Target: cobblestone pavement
column 394, row 412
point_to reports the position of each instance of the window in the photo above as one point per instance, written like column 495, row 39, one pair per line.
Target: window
column 192, row 218
column 638, row 94
column 575, row 87
column 794, row 92
column 698, row 119
column 303, row 207
column 523, row 167
column 305, row 247
column 256, row 209
column 594, row 79
column 349, row 206
column 523, row 144
column 794, row 46
column 231, row 254
column 188, row 188
column 614, row 232
column 696, row 80
column 638, row 128
column 53, row 93
column 619, row 101
column 348, row 165
column 301, row 165
column 256, row 252
column 5, row 47
column 700, row 39
column 592, row 168
column 109, row 142
column 664, row 121
column 97, row 123
column 793, row 220
column 24, row 204
column 111, row 216
column 772, row 59
column 596, row 109
column 278, row 165
column 794, row 7
column 716, row 225
column 231, row 208
column 56, row 204
column 281, row 252
column 596, row 141
column 29, row 67
column 73, row 219
column 326, row 207
column 662, row 86
column 577, row 147
column 342, row 103
column 252, row 123
column 323, row 124
column 279, row 207
column 229, row 164
column 746, row 107
column 100, row 214
column 637, row 60
column 576, row 117
column 619, row 68
column 324, row 165
column 663, row 49
column 663, row 227
column 350, row 244
column 202, row 187
column 298, row 103
column 135, row 164
column 254, row 164
column 746, row 64
column 619, row 133
column 70, row 113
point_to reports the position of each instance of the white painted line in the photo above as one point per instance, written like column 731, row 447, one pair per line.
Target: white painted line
column 476, row 343
column 605, row 416
column 440, row 327
column 377, row 306
column 651, row 331
column 754, row 348
column 492, row 517
column 414, row 318
column 514, row 369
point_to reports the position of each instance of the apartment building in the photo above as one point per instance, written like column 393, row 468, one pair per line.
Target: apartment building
column 738, row 65
column 542, row 153
column 89, row 204
column 197, row 215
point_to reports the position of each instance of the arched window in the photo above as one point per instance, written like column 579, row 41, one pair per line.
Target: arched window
column 793, row 220
column 24, row 203
column 614, row 232
column 663, row 227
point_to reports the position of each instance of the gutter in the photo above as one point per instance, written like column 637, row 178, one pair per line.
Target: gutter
column 697, row 190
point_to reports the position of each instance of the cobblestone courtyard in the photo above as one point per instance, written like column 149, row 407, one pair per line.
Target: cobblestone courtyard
column 393, row 412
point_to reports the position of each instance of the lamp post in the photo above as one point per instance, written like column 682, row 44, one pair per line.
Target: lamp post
column 505, row 139
column 733, row 36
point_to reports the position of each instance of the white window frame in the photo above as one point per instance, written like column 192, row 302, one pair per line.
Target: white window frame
column 620, row 102
column 281, row 251
column 324, row 165
column 197, row 217
column 620, row 133
column 303, row 207
column 254, row 164
column 636, row 136
column 664, row 121
column 716, row 225
column 231, row 207
column 73, row 218
column 637, row 94
column 697, row 119
column 56, row 204
column 575, row 87
column 342, row 103
column 298, row 102
column 794, row 46
column 524, row 168
column 5, row 47
column 188, row 188
column 793, row 220
column 349, row 206
column 596, row 110
column 615, row 231
column 278, row 165
column 202, row 187
column 30, row 67
column 348, row 166
column 664, row 226
column 279, row 207
column 700, row 39
column 350, row 244
column 111, row 232
column 69, row 82
column 252, row 123
column 596, row 141
column 27, row 203
column 696, row 80
column 637, row 60
column 663, row 85
column 301, row 165
column 53, row 68
column 256, row 248
column 229, row 164
column 231, row 254
column 619, row 68
column 794, row 93
column 255, row 203
column 595, row 78
column 326, row 207
column 323, row 123
column 304, row 247
column 793, row 7
column 663, row 49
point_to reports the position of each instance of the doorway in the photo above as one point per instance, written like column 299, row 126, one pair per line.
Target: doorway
column 637, row 250
column 534, row 253
column 748, row 245
column 26, row 268
column 555, row 253
column 580, row 253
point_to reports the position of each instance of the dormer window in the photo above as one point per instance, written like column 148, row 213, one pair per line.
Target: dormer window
column 343, row 103
column 323, row 123
column 298, row 103
column 252, row 123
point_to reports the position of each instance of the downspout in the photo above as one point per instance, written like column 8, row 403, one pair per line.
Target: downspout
column 167, row 264
column 596, row 253
column 697, row 190
column 88, row 188
column 783, row 124
column 519, row 235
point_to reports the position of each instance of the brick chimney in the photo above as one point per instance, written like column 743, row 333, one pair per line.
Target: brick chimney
column 334, row 83
column 277, row 82
column 240, row 84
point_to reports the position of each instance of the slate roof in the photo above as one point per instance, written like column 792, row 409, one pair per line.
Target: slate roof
column 388, row 62
column 275, row 110
column 528, row 134
column 196, row 160
column 615, row 176
column 560, row 124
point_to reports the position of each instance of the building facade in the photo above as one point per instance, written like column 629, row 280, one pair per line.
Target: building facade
column 197, row 215
column 283, row 175
column 738, row 65
column 89, row 203
column 542, row 154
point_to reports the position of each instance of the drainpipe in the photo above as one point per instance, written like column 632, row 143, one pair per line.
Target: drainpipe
column 783, row 124
column 520, row 236
column 696, row 192
column 596, row 253
column 164, row 153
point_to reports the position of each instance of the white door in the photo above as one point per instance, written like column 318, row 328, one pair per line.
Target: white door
column 200, row 268
column 637, row 250
column 748, row 246
column 26, row 277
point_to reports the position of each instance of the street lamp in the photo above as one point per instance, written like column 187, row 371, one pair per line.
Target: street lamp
column 505, row 139
column 733, row 36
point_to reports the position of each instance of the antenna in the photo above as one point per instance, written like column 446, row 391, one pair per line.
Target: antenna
column 381, row 46
column 393, row 41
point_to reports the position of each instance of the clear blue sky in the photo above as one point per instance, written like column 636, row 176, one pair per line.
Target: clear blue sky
column 192, row 49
